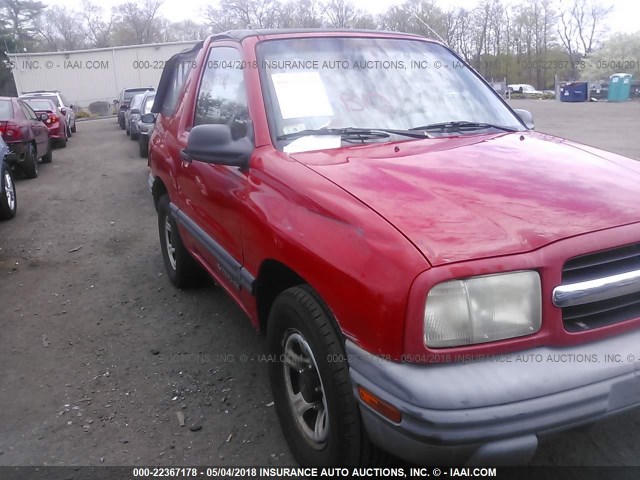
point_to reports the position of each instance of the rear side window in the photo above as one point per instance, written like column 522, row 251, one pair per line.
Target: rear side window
column 6, row 110
column 222, row 96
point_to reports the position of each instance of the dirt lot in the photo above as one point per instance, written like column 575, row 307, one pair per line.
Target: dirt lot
column 99, row 353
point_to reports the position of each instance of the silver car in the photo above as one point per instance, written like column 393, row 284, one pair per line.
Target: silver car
column 132, row 115
column 145, row 128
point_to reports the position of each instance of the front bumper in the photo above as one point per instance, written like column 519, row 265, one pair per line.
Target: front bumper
column 492, row 411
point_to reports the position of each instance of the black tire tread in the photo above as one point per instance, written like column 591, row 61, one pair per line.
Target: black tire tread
column 188, row 272
column 322, row 321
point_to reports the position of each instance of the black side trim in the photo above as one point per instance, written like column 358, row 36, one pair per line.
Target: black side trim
column 229, row 266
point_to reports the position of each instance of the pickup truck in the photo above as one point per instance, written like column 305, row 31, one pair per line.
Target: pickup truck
column 435, row 279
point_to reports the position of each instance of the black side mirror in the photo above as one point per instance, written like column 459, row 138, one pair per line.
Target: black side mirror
column 215, row 144
column 148, row 118
column 526, row 117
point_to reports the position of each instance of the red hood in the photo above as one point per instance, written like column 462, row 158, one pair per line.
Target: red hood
column 480, row 196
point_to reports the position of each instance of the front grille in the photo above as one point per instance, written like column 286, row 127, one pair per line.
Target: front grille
column 595, row 266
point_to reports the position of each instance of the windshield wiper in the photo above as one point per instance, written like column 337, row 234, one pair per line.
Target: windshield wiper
column 462, row 126
column 353, row 133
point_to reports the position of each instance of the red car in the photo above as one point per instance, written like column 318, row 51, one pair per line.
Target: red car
column 52, row 117
column 25, row 134
column 433, row 276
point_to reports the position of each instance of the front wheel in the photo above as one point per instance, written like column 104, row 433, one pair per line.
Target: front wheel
column 74, row 129
column 8, row 200
column 182, row 269
column 310, row 382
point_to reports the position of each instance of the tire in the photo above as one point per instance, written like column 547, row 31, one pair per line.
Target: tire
column 300, row 323
column 48, row 157
column 69, row 134
column 8, row 199
column 121, row 122
column 133, row 135
column 74, row 129
column 30, row 165
column 143, row 146
column 62, row 142
column 183, row 271
column 127, row 130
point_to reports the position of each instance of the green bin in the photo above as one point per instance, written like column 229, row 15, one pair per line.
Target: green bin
column 619, row 87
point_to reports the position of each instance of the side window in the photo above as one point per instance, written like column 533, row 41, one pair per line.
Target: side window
column 222, row 96
column 28, row 112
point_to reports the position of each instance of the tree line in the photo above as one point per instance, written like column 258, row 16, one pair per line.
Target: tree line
column 530, row 41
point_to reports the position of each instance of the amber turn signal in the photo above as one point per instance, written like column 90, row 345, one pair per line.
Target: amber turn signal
column 383, row 408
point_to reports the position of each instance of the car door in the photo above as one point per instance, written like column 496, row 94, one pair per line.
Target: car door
column 214, row 193
column 39, row 130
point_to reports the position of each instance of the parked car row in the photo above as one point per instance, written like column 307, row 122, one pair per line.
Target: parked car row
column 124, row 102
column 30, row 126
column 137, row 117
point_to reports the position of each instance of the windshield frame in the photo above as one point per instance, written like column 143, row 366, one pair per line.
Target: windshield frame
column 269, row 100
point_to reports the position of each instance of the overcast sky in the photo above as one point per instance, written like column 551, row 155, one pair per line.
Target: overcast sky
column 624, row 18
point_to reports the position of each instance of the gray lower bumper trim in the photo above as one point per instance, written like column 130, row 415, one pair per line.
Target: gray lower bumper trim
column 469, row 408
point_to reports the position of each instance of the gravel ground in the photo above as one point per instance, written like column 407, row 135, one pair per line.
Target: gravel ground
column 102, row 359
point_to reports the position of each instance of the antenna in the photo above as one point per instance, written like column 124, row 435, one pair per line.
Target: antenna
column 430, row 29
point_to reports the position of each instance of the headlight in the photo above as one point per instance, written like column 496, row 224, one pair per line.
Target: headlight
column 483, row 309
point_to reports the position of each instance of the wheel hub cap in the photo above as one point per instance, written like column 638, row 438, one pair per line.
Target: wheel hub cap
column 9, row 191
column 305, row 390
column 168, row 236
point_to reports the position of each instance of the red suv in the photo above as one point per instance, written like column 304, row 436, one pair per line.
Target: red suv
column 433, row 276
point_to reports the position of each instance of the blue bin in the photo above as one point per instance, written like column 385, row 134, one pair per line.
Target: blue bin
column 574, row 92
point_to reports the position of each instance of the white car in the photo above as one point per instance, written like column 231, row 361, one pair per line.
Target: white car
column 60, row 101
column 525, row 90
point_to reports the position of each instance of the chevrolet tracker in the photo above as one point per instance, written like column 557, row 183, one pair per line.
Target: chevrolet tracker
column 435, row 279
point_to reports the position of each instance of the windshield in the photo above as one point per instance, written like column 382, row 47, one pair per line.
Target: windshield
column 6, row 110
column 137, row 100
column 148, row 103
column 40, row 104
column 129, row 94
column 333, row 83
column 52, row 98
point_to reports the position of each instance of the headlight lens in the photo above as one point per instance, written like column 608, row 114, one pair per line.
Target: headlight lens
column 483, row 309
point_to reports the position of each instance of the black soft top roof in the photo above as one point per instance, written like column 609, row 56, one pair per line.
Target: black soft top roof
column 240, row 35
column 168, row 81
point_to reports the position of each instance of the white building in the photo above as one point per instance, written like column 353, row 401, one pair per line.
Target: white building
column 99, row 74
